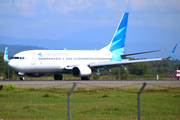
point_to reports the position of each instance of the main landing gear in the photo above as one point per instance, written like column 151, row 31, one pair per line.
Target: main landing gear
column 85, row 78
column 22, row 78
column 58, row 76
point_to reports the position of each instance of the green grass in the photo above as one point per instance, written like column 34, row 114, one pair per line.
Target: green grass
column 89, row 103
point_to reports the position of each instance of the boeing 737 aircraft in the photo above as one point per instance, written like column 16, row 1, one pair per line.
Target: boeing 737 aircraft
column 79, row 63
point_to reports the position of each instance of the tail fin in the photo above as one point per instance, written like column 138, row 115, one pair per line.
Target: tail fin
column 118, row 40
column 6, row 55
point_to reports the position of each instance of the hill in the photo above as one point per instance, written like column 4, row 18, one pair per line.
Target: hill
column 97, row 38
column 13, row 49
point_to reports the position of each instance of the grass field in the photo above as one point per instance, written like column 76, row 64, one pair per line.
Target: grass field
column 89, row 103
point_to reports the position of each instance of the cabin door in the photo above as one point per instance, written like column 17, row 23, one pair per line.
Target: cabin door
column 33, row 60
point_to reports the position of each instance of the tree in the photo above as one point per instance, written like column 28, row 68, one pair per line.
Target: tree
column 138, row 68
column 166, row 69
column 160, row 70
column 11, row 72
column 179, row 68
column 2, row 65
column 114, row 71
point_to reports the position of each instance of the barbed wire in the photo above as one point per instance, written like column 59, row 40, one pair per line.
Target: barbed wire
column 97, row 86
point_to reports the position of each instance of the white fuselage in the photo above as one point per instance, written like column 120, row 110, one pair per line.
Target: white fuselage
column 43, row 61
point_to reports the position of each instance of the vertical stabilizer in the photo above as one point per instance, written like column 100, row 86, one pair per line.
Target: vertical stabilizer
column 6, row 55
column 118, row 41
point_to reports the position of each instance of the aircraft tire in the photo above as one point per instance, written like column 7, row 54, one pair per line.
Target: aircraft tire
column 58, row 77
column 88, row 78
column 55, row 77
column 85, row 78
column 22, row 78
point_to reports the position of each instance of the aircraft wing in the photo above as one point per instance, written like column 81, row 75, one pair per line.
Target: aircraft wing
column 125, row 62
column 118, row 63
column 124, row 55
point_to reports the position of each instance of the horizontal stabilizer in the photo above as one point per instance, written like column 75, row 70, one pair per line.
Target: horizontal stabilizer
column 124, row 55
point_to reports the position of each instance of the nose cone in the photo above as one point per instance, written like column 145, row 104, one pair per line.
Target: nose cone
column 12, row 65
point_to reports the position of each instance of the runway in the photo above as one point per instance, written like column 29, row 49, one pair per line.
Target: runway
column 93, row 83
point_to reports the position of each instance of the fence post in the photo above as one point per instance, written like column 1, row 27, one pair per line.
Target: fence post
column 69, row 107
column 138, row 100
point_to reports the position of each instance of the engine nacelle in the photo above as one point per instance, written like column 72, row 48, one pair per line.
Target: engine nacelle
column 81, row 71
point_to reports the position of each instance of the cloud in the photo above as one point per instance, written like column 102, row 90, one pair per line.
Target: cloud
column 36, row 8
column 83, row 14
column 155, row 6
column 67, row 6
column 31, row 8
column 18, row 8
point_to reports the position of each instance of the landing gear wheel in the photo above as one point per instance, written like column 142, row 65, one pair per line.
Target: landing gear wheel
column 58, row 77
column 22, row 78
column 85, row 78
column 55, row 77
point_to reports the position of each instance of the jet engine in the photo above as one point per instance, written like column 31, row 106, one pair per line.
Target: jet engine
column 81, row 71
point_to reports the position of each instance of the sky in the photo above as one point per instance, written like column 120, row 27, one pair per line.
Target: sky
column 54, row 19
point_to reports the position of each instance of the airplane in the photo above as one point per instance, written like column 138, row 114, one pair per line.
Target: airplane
column 79, row 63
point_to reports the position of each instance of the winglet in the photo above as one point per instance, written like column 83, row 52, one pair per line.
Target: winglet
column 170, row 56
column 6, row 55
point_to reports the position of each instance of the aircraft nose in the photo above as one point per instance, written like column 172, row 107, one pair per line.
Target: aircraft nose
column 11, row 65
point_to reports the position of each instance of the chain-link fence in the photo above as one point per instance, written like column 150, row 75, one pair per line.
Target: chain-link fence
column 90, row 100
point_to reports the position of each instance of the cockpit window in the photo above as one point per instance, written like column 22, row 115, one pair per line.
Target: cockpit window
column 17, row 57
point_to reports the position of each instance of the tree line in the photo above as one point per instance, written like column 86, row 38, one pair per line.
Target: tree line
column 147, row 68
column 4, row 68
